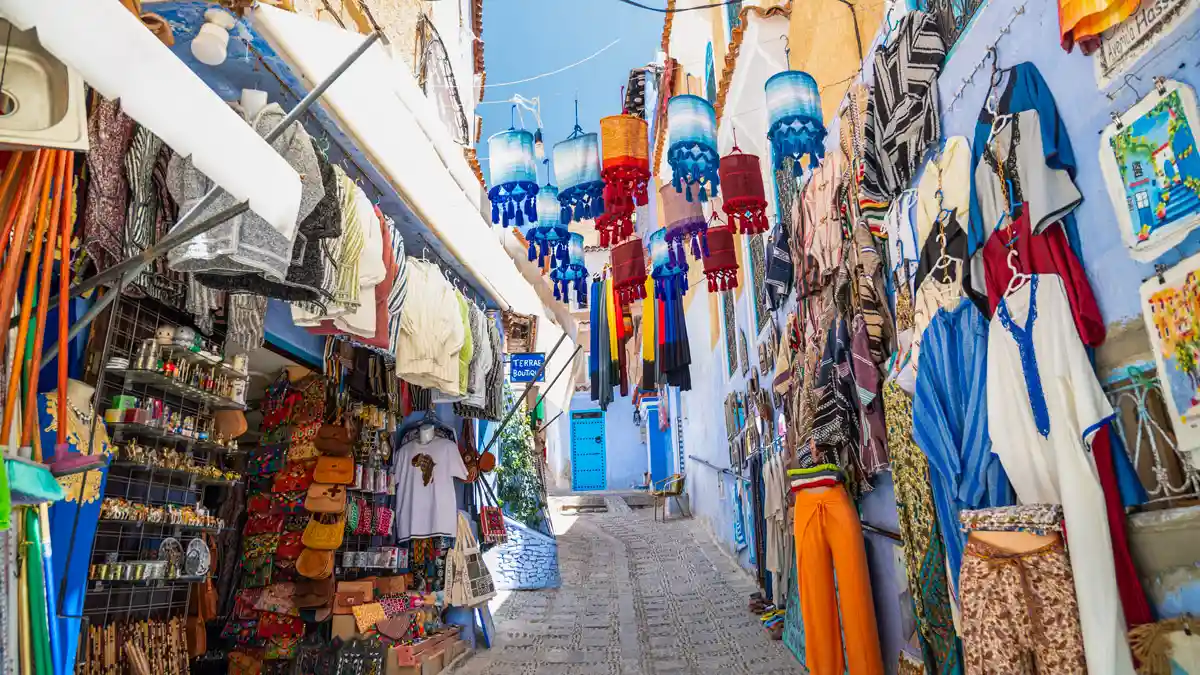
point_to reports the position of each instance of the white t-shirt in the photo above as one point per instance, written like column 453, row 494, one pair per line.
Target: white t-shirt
column 426, row 505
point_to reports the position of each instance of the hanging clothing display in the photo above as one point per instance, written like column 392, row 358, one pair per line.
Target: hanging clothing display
column 425, row 499
column 828, row 539
column 902, row 115
column 431, row 330
column 246, row 243
column 920, row 529
column 951, row 421
column 110, row 133
column 945, row 185
column 1046, row 404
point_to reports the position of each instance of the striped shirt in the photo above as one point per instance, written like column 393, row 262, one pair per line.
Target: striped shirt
column 902, row 114
column 399, row 291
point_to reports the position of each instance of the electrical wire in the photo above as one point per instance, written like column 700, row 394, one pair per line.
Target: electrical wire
column 634, row 3
column 555, row 72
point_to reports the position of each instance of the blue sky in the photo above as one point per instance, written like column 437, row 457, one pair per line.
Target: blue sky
column 524, row 38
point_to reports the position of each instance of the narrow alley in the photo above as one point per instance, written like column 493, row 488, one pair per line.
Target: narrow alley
column 639, row 597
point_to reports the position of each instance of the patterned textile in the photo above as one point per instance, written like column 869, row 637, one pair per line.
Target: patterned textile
column 780, row 270
column 141, row 221
column 1035, row 518
column 902, row 114
column 1019, row 611
column 873, row 436
column 872, row 298
column 924, row 552
column 110, row 132
column 836, row 423
column 247, row 316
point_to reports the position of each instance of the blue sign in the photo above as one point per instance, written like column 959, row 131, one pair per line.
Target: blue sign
column 523, row 367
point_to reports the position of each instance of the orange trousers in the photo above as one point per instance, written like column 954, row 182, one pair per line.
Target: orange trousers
column 828, row 538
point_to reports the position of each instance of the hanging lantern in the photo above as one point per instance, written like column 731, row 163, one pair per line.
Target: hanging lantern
column 548, row 235
column 626, row 170
column 572, row 273
column 629, row 270
column 514, row 177
column 577, row 170
column 721, row 267
column 692, row 153
column 685, row 225
column 669, row 274
column 797, row 127
column 745, row 199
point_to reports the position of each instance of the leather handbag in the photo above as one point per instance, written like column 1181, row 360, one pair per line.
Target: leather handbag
column 268, row 523
column 395, row 628
column 394, row 585
column 350, row 594
column 314, row 594
column 334, row 439
column 326, row 498
column 344, row 627
column 339, row 470
column 278, row 598
column 272, row 625
column 323, row 536
column 315, row 563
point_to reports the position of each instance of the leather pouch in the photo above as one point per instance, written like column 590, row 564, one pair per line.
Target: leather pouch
column 326, row 498
column 315, row 564
column 338, row 470
column 351, row 594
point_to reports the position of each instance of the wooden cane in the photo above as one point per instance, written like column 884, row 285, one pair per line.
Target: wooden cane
column 60, row 177
column 16, row 260
column 64, row 286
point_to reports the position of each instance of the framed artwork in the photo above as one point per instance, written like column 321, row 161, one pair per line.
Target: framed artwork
column 743, row 353
column 1171, row 308
column 1151, row 167
column 730, row 328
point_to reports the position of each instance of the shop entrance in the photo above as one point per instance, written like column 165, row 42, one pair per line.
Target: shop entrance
column 588, row 465
column 659, row 442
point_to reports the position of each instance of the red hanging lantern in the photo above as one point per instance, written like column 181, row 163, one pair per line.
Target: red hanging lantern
column 629, row 271
column 625, row 161
column 745, row 199
column 720, row 267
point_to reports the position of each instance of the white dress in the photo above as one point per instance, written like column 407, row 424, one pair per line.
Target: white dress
column 1047, row 455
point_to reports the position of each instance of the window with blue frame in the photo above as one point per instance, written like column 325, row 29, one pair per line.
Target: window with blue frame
column 710, row 76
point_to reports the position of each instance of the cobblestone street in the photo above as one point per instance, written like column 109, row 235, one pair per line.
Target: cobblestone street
column 638, row 598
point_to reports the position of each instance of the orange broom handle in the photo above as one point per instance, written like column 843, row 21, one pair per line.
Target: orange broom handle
column 64, row 287
column 8, row 279
column 43, row 290
column 20, row 194
column 16, row 259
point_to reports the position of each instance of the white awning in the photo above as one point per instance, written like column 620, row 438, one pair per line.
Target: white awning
column 378, row 103
column 121, row 59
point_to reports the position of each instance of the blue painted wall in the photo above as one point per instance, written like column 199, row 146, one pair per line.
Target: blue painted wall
column 626, row 451
column 1033, row 37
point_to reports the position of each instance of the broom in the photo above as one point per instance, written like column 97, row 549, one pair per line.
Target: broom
column 32, row 481
column 65, row 462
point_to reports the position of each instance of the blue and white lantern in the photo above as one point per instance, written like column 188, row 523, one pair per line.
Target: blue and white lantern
column 692, row 152
column 797, row 127
column 514, row 177
column 573, row 274
column 548, row 236
column 577, row 170
column 668, row 271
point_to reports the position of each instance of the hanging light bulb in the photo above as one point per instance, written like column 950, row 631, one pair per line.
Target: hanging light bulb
column 539, row 146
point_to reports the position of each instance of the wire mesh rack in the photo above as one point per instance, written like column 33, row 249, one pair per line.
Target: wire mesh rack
column 139, row 567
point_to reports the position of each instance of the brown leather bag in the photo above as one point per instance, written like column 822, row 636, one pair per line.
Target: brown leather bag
column 196, row 628
column 396, row 627
column 392, row 585
column 334, row 439
column 315, row 564
column 352, row 593
column 314, row 594
column 337, row 470
column 345, row 627
column 325, row 498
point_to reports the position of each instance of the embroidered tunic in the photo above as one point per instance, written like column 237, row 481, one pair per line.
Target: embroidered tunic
column 1044, row 405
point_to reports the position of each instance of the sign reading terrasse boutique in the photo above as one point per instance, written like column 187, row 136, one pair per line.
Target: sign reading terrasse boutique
column 523, row 367
column 1125, row 43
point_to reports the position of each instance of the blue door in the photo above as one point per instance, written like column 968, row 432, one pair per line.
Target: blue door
column 660, row 444
column 588, row 466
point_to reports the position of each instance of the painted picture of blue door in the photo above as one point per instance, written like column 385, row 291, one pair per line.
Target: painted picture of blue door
column 1156, row 155
column 588, row 465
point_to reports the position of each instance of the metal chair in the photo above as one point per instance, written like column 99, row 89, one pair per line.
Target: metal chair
column 670, row 487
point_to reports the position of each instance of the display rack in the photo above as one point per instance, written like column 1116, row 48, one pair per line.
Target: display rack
column 135, row 592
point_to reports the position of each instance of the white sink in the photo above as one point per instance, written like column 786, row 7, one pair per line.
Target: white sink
column 42, row 101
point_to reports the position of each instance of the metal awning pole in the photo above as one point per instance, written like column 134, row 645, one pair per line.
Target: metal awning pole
column 517, row 404
column 496, row 436
column 128, row 270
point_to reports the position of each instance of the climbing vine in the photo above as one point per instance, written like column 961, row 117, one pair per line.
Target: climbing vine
column 518, row 483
